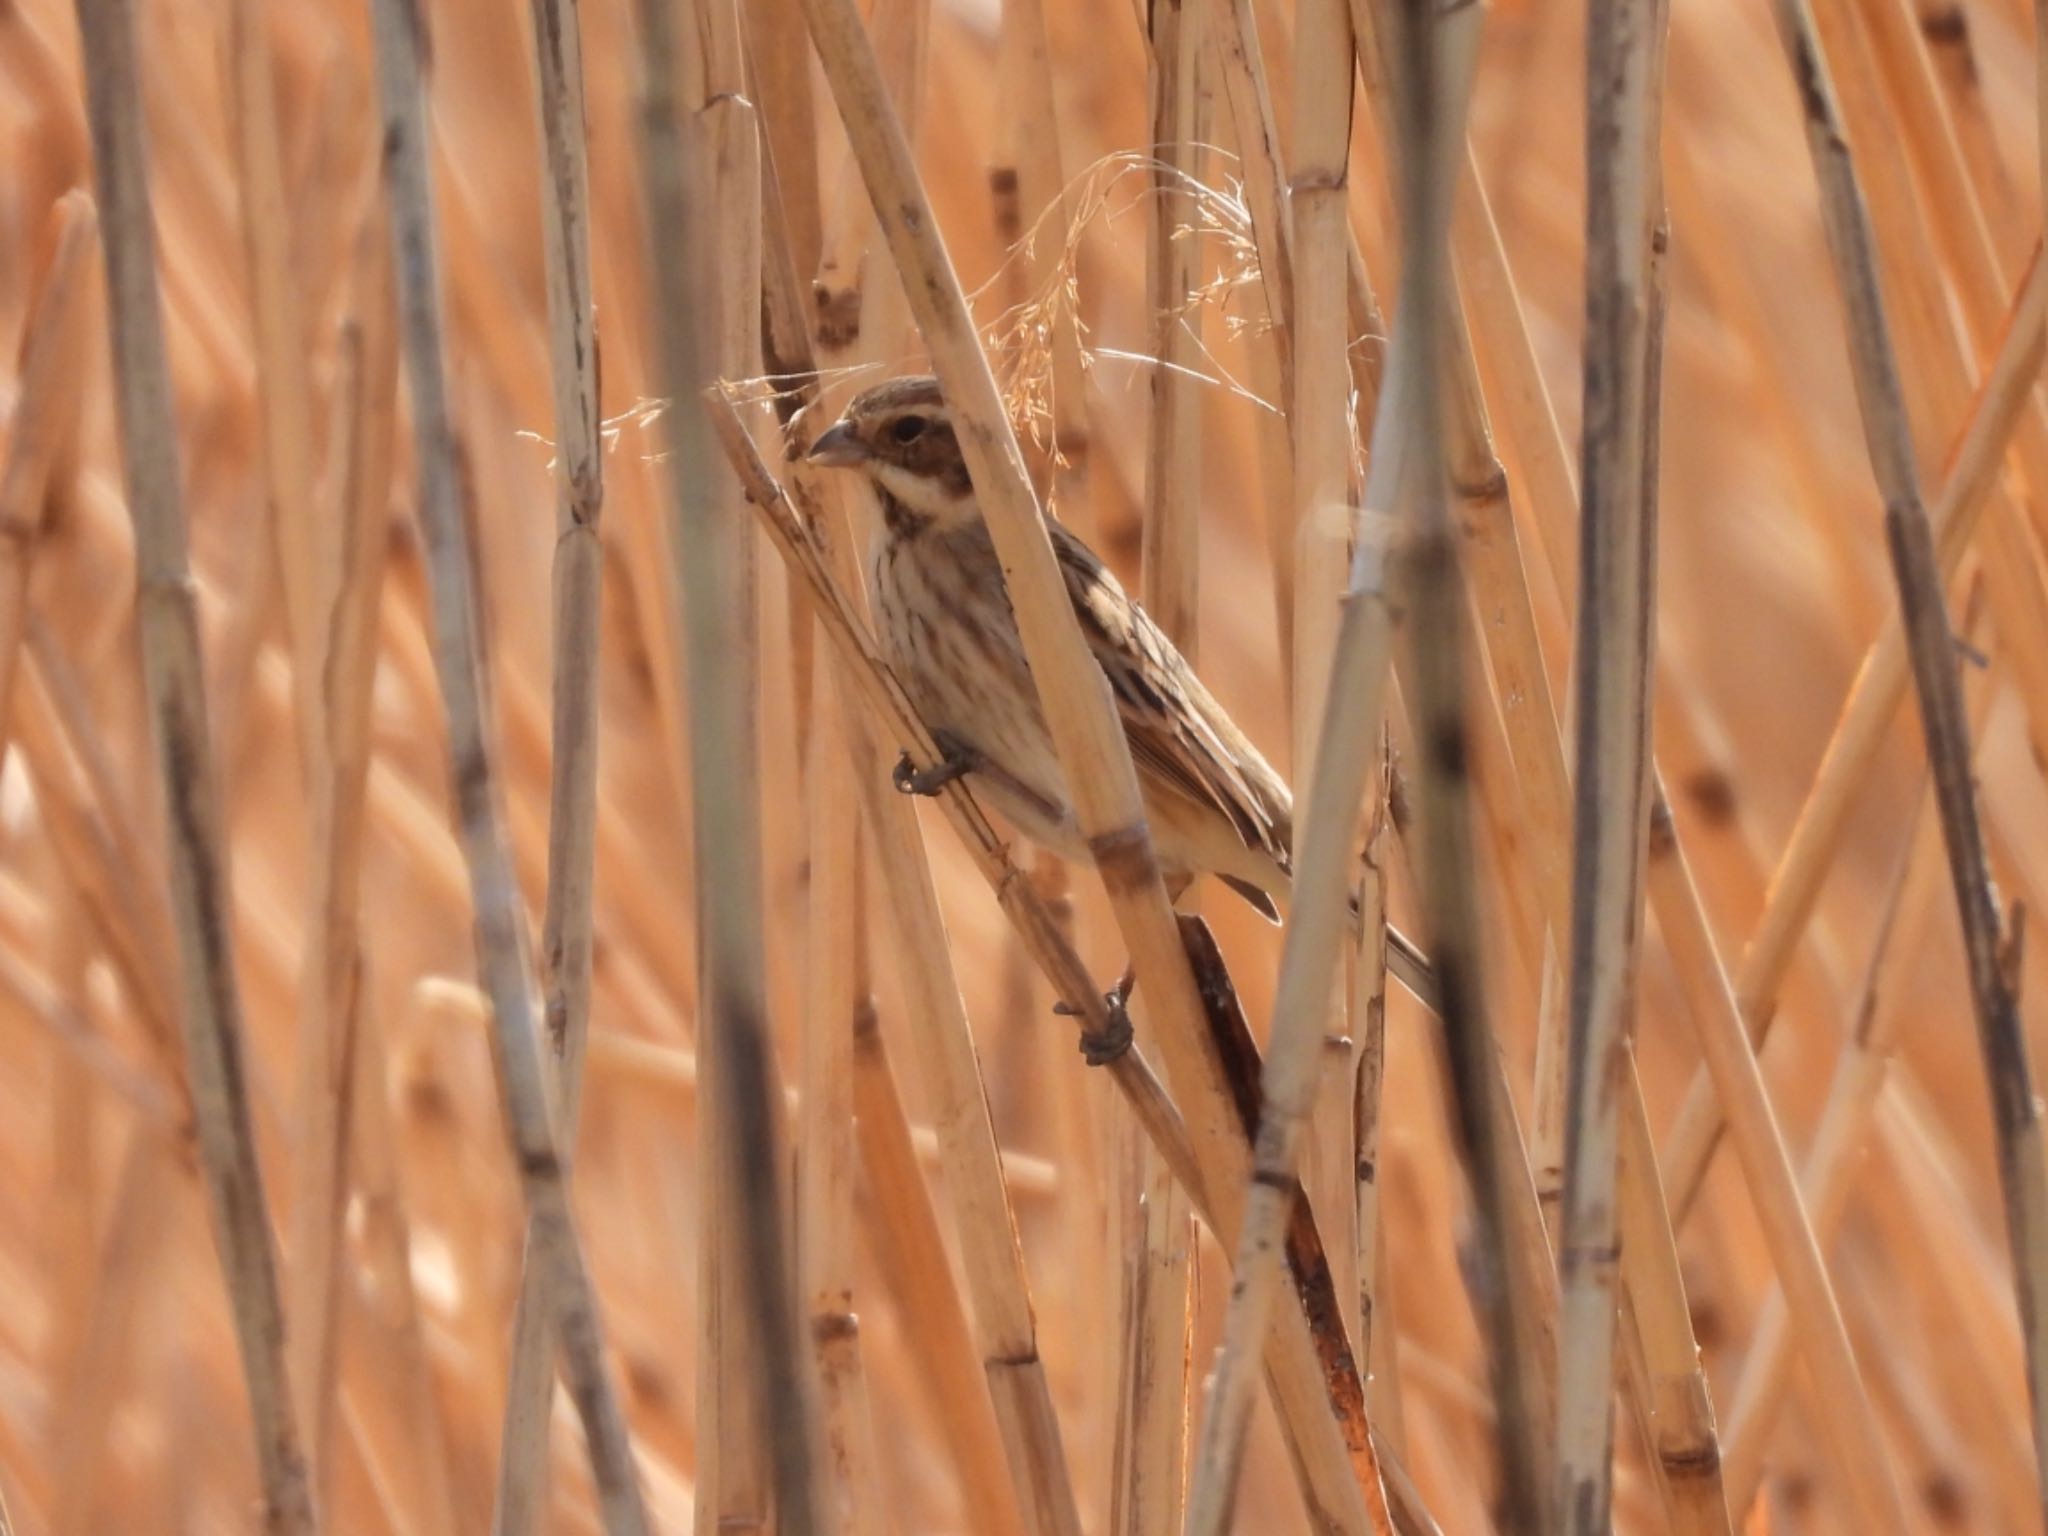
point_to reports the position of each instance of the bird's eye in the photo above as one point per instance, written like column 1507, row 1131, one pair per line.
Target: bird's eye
column 908, row 429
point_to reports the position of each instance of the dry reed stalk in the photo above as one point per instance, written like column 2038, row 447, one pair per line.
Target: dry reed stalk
column 1319, row 546
column 1866, row 715
column 1150, row 1214
column 913, row 1254
column 738, row 1415
column 712, row 582
column 834, row 995
column 42, row 434
column 567, row 928
column 1088, row 737
column 779, row 70
column 1674, row 1413
column 1149, row 1452
column 166, row 618
column 399, row 38
column 2023, row 1168
column 1428, row 107
column 1506, row 637
column 1614, row 663
column 345, row 555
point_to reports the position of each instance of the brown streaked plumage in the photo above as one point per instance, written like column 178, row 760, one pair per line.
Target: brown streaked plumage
column 1213, row 803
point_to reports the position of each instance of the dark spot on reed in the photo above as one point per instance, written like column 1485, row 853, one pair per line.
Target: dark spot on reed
column 1947, row 1502
column 1712, row 794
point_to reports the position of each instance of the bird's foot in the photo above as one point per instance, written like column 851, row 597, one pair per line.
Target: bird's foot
column 1101, row 1047
column 958, row 761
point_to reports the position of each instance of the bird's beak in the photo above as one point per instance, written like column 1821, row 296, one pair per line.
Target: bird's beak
column 839, row 448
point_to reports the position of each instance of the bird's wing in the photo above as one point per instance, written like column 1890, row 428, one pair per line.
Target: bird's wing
column 1178, row 733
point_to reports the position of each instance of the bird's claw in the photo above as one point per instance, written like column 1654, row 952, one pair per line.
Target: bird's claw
column 910, row 779
column 1101, row 1047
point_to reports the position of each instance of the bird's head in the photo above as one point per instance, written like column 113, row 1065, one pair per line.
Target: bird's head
column 900, row 436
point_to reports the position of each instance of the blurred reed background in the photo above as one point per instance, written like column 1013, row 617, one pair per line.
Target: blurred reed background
column 1091, row 169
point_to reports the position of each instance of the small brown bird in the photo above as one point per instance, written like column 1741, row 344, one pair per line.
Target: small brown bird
column 1213, row 803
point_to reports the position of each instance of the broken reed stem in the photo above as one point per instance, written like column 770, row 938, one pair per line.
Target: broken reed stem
column 166, row 617
column 399, row 38
column 2016, row 1115
column 1874, row 697
column 1089, row 739
column 1613, row 662
column 44, row 429
column 566, row 921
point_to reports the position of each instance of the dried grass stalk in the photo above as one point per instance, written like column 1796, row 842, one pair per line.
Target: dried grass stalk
column 209, row 1003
